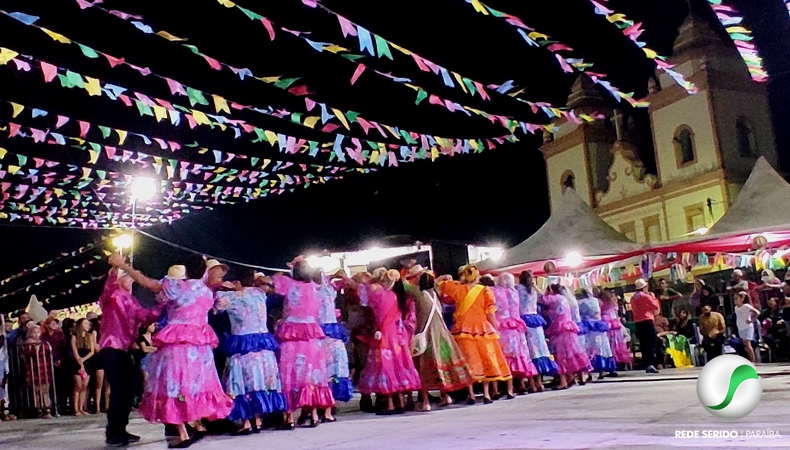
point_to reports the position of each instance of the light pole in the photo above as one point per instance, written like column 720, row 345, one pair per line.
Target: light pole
column 142, row 189
column 121, row 242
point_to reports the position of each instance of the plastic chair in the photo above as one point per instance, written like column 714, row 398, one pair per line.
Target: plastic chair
column 698, row 356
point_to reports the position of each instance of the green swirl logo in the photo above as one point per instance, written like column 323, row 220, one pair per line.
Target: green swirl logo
column 729, row 387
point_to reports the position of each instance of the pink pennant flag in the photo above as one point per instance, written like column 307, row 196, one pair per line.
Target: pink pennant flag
column 20, row 191
column 309, row 104
column 173, row 145
column 300, row 90
column 482, row 90
column 346, row 26
column 21, row 65
column 125, row 99
column 5, row 186
column 13, row 129
column 62, row 120
column 357, row 73
column 449, row 105
column 191, row 120
column 378, row 127
column 84, row 127
column 434, row 67
column 238, row 106
column 145, row 71
column 49, row 71
column 126, row 155
column 565, row 66
column 206, row 176
column 49, row 181
column 420, row 63
column 556, row 47
column 364, row 124
column 161, row 143
column 110, row 152
column 330, row 127
column 212, row 62
column 113, row 60
column 165, row 104
column 435, row 100
column 51, row 164
column 393, row 159
column 84, row 4
column 268, row 25
column 39, row 162
column 38, row 135
column 38, row 219
column 175, row 87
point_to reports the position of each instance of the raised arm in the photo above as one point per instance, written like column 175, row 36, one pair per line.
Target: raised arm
column 117, row 261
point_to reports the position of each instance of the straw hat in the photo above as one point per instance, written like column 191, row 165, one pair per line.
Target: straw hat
column 415, row 271
column 177, row 272
column 640, row 284
column 212, row 263
column 738, row 272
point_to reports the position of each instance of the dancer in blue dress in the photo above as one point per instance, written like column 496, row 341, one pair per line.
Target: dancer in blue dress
column 594, row 335
column 536, row 339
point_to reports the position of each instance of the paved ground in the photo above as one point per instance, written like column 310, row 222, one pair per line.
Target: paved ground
column 633, row 411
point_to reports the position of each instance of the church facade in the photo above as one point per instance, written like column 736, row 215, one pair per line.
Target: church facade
column 704, row 144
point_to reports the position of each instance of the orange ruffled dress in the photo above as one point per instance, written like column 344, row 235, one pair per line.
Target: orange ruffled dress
column 475, row 336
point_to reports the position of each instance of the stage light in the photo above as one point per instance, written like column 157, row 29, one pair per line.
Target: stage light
column 496, row 253
column 573, row 259
column 143, row 188
column 122, row 241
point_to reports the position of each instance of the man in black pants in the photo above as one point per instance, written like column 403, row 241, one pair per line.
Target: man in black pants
column 122, row 316
column 644, row 306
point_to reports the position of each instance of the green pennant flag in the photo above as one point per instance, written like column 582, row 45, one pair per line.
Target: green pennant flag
column 351, row 116
column 63, row 205
column 196, row 97
column 285, row 82
column 250, row 14
column 469, row 85
column 352, row 56
column 254, row 161
column 101, row 173
column 296, row 117
column 173, row 163
column 381, row 47
column 144, row 109
column 373, row 145
column 22, row 159
column 313, row 148
column 183, row 109
column 261, row 135
column 75, row 79
column 87, row 51
column 408, row 137
column 193, row 48
column 105, row 131
column 95, row 146
column 421, row 95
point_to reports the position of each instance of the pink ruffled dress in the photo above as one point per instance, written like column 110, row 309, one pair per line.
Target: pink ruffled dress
column 563, row 336
column 302, row 356
column 513, row 333
column 182, row 384
column 620, row 348
column 390, row 367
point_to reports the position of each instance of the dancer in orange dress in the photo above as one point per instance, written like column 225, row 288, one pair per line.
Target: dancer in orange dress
column 475, row 328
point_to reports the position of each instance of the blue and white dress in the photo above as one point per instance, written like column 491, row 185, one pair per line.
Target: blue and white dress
column 536, row 338
column 594, row 337
column 334, row 345
column 252, row 377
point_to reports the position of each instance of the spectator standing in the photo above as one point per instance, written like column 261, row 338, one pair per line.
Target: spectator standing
column 54, row 336
column 668, row 297
column 644, row 307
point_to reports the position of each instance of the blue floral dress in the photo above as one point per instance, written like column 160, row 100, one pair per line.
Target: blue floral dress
column 334, row 345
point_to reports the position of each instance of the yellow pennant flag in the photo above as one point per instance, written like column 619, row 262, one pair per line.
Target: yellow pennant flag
column 6, row 55
column 220, row 104
column 374, row 156
column 616, row 18
column 86, row 172
column 434, row 153
column 92, row 86
column 121, row 136
column 335, row 48
column 160, row 113
column 311, row 121
column 741, row 30
column 170, row 37
column 479, row 7
column 3, row 152
column 58, row 192
column 17, row 109
column 200, row 118
column 170, row 171
column 399, row 48
column 271, row 137
column 397, row 136
column 58, row 37
column 536, row 36
column 341, row 118
column 219, row 169
column 94, row 156
column 269, row 79
column 266, row 162
column 226, row 3
column 222, row 126
column 202, row 150
column 13, row 169
column 650, row 53
column 460, row 82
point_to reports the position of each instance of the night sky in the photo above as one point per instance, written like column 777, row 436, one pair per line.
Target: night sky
column 496, row 197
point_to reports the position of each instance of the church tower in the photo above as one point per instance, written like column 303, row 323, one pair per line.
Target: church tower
column 705, row 143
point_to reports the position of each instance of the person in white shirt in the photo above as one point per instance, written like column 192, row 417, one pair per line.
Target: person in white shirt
column 744, row 315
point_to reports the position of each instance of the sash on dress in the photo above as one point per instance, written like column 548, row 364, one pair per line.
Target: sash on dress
column 469, row 300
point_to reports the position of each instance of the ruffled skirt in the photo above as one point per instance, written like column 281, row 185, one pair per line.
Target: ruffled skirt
column 337, row 368
column 620, row 348
column 303, row 372
column 183, row 386
column 538, row 349
column 596, row 344
column 253, row 382
column 568, row 354
column 389, row 367
column 442, row 366
column 484, row 356
column 514, row 346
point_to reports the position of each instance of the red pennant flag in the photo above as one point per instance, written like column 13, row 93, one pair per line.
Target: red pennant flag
column 357, row 73
column 49, row 71
column 84, row 127
column 113, row 60
column 269, row 27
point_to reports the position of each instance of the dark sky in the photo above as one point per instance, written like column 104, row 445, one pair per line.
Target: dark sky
column 498, row 196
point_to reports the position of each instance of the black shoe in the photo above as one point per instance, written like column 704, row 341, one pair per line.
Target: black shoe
column 470, row 401
column 510, row 397
column 313, row 423
column 611, row 375
column 487, row 401
column 651, row 369
column 386, row 412
column 302, row 420
column 117, row 442
column 242, row 432
column 132, row 438
column 182, row 444
column 399, row 410
column 287, row 426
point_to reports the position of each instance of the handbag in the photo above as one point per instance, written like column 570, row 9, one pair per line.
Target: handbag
column 419, row 342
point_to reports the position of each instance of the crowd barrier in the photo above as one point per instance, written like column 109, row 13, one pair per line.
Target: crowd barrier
column 31, row 381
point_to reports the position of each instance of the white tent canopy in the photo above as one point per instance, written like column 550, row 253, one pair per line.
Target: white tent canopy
column 572, row 227
column 762, row 204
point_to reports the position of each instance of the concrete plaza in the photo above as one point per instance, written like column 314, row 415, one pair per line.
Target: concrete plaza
column 633, row 411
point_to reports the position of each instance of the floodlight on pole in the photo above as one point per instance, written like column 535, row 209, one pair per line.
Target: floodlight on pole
column 122, row 241
column 141, row 189
column 573, row 259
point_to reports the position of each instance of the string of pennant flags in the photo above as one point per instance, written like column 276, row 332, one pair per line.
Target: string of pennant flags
column 52, row 277
column 632, row 31
column 741, row 36
column 345, row 118
column 63, row 257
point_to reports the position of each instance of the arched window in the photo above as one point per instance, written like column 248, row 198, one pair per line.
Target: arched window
column 747, row 143
column 684, row 146
column 568, row 180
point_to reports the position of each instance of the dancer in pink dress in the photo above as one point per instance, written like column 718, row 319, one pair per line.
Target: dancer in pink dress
column 564, row 338
column 182, row 385
column 620, row 348
column 390, row 369
column 302, row 357
column 513, row 333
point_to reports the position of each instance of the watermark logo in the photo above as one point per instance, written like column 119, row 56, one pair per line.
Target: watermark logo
column 729, row 387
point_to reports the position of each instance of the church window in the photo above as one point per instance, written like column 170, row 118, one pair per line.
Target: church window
column 747, row 143
column 629, row 230
column 568, row 180
column 684, row 146
column 652, row 229
column 695, row 218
